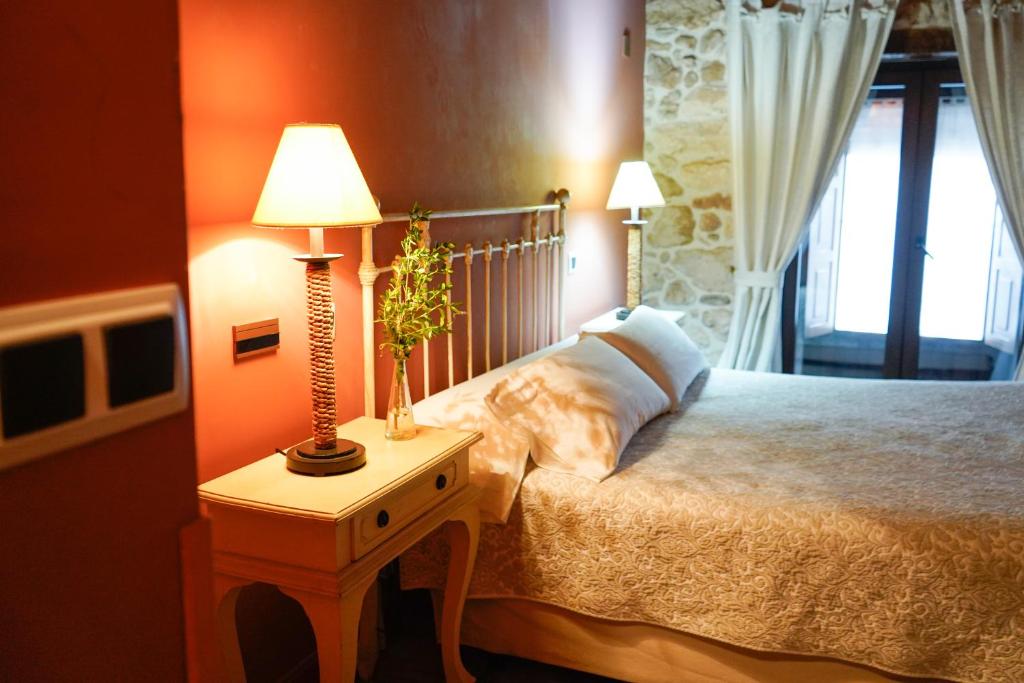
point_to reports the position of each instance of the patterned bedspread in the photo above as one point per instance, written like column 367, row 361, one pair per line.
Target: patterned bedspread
column 875, row 522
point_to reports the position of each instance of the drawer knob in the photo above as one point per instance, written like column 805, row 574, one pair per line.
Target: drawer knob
column 383, row 518
column 441, row 482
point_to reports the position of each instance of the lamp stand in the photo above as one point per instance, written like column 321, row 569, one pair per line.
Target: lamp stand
column 325, row 453
column 634, row 259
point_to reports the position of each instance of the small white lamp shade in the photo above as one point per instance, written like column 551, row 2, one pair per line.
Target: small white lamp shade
column 315, row 182
column 634, row 187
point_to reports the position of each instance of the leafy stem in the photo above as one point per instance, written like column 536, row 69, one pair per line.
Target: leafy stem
column 414, row 305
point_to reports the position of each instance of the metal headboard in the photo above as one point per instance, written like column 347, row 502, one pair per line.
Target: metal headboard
column 546, row 302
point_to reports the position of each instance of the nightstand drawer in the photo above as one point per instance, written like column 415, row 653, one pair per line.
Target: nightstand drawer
column 384, row 518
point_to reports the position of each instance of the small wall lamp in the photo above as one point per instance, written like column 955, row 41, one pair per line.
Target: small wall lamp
column 634, row 189
column 315, row 183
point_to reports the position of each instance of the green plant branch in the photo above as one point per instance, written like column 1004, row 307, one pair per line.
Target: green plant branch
column 412, row 307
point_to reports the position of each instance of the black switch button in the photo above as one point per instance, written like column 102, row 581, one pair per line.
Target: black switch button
column 140, row 360
column 42, row 384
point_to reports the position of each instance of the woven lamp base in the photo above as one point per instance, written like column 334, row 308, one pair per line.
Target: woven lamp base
column 634, row 264
column 334, row 456
column 306, row 458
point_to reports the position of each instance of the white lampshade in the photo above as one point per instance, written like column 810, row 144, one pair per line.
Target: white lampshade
column 315, row 182
column 634, row 187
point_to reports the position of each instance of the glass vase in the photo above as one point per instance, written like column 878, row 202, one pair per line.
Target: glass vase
column 399, row 423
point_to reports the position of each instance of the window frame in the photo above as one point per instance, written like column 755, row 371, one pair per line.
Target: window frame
column 922, row 80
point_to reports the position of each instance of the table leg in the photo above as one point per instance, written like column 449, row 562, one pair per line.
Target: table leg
column 226, row 590
column 463, row 530
column 335, row 621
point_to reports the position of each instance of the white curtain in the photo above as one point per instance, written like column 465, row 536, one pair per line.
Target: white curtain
column 798, row 74
column 990, row 41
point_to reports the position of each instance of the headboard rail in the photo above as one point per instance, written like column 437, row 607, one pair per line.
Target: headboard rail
column 478, row 213
column 545, row 301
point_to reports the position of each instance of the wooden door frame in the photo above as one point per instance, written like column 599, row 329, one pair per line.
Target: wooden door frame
column 915, row 131
column 902, row 356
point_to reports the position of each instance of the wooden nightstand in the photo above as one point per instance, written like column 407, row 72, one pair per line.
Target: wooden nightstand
column 608, row 321
column 322, row 540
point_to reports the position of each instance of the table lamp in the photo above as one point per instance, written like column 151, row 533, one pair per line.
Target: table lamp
column 634, row 189
column 315, row 183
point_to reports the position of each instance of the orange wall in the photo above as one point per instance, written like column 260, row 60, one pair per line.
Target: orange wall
column 454, row 103
column 93, row 199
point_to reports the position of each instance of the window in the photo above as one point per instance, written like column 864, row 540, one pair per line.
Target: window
column 908, row 269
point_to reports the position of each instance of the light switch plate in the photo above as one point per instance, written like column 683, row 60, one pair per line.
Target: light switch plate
column 96, row 320
column 253, row 339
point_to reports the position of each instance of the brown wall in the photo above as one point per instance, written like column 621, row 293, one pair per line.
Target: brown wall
column 454, row 103
column 92, row 198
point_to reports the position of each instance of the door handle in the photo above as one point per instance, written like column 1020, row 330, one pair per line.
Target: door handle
column 919, row 244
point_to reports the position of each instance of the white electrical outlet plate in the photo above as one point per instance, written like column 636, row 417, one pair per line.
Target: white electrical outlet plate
column 91, row 318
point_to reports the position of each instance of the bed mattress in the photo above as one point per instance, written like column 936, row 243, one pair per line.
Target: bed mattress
column 874, row 522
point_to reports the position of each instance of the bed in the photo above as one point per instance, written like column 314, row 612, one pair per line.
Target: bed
column 808, row 516
column 774, row 528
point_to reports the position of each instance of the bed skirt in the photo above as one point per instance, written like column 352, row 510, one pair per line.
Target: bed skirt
column 643, row 653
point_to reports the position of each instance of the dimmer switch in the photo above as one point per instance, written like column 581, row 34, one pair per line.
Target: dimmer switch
column 255, row 338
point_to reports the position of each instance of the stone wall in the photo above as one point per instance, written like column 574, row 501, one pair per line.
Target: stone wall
column 921, row 26
column 688, row 244
column 916, row 15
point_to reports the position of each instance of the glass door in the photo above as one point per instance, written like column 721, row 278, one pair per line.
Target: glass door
column 907, row 270
column 849, row 262
column 969, row 323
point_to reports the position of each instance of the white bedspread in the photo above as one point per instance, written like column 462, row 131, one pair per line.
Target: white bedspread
column 875, row 522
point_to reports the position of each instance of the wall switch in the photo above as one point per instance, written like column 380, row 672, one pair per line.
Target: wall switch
column 76, row 369
column 253, row 339
column 571, row 267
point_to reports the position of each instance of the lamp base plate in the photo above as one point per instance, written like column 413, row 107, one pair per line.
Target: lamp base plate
column 306, row 458
column 325, row 258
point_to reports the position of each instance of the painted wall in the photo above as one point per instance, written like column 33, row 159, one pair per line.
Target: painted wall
column 92, row 198
column 453, row 103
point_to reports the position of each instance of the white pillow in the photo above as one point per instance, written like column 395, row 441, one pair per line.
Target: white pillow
column 660, row 349
column 579, row 406
column 498, row 462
